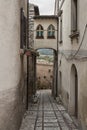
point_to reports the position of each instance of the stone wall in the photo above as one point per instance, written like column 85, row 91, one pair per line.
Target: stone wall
column 67, row 48
column 44, row 76
column 45, row 42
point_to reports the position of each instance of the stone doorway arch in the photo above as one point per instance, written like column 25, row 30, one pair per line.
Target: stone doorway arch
column 74, row 91
column 54, row 76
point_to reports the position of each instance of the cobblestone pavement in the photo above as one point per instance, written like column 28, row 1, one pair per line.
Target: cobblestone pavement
column 46, row 114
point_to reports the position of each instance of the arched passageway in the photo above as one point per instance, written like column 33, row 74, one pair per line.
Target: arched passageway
column 74, row 91
column 46, row 72
column 60, row 83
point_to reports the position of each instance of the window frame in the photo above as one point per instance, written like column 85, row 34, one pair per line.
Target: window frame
column 52, row 31
column 61, row 28
column 74, row 16
column 39, row 32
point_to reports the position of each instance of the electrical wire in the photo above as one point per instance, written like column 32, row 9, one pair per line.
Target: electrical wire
column 80, row 44
column 74, row 56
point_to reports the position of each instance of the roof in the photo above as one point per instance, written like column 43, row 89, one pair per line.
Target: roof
column 36, row 9
column 46, row 17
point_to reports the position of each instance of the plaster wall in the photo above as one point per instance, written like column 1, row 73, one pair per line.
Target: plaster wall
column 12, row 80
column 44, row 83
column 45, row 43
column 68, row 47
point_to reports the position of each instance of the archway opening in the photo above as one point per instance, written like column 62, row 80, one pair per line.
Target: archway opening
column 45, row 69
column 60, row 83
column 74, row 91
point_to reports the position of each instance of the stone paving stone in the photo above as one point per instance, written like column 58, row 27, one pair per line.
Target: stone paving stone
column 61, row 108
column 50, row 115
column 51, row 124
column 65, row 128
column 50, row 120
column 39, row 124
column 38, row 128
column 50, row 128
column 75, row 121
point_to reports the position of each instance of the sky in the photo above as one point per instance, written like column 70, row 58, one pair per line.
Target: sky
column 46, row 7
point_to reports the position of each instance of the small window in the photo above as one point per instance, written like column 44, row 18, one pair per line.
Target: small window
column 51, row 32
column 23, row 23
column 49, row 70
column 39, row 32
column 74, row 16
column 61, row 28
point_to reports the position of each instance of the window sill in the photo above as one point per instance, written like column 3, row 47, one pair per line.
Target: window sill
column 50, row 37
column 61, row 42
column 74, row 35
column 39, row 37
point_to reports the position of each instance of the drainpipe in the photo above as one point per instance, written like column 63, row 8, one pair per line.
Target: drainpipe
column 57, row 50
column 27, row 56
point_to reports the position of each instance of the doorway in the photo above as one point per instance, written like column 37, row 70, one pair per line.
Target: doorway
column 46, row 70
column 60, row 83
column 74, row 91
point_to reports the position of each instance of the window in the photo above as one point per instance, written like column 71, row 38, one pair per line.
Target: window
column 39, row 32
column 73, row 15
column 51, row 32
column 23, row 29
column 61, row 29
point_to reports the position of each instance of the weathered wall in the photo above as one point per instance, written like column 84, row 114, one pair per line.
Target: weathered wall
column 44, row 83
column 45, row 43
column 68, row 47
column 12, row 91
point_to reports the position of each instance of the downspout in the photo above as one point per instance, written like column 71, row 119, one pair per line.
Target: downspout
column 27, row 56
column 57, row 50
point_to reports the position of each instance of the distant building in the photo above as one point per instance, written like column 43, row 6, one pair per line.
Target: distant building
column 33, row 11
column 45, row 32
column 45, row 37
column 44, row 78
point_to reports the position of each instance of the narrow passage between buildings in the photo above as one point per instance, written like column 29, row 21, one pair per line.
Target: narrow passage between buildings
column 47, row 114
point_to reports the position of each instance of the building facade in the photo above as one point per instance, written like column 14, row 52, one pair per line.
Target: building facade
column 72, row 55
column 45, row 32
column 45, row 37
column 12, row 65
column 44, row 78
column 33, row 11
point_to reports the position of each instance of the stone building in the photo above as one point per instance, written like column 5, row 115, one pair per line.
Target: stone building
column 33, row 11
column 45, row 37
column 12, row 66
column 44, row 78
column 72, row 67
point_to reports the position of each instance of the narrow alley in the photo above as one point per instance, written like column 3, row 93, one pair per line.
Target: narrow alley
column 46, row 114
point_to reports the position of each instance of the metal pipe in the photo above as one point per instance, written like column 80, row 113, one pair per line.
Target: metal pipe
column 57, row 49
column 27, row 56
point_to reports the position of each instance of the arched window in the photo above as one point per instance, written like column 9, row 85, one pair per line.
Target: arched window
column 51, row 31
column 74, row 11
column 39, row 32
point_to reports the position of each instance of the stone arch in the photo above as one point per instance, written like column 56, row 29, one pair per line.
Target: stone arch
column 74, row 91
column 40, row 26
column 54, row 71
column 60, row 83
